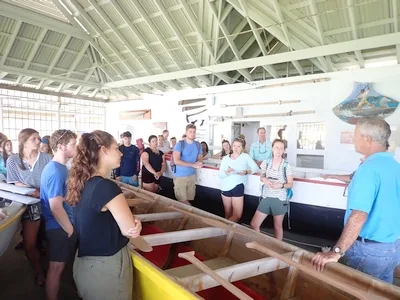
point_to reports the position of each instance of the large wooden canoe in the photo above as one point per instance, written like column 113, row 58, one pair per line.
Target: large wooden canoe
column 230, row 260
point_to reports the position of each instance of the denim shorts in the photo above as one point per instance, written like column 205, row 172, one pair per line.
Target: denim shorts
column 237, row 191
column 376, row 259
column 129, row 180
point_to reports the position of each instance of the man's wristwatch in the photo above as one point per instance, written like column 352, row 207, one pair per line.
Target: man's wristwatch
column 338, row 250
column 283, row 185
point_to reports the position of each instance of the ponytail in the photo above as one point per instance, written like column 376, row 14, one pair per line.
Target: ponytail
column 85, row 162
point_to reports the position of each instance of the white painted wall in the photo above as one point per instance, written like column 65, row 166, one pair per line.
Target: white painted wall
column 321, row 97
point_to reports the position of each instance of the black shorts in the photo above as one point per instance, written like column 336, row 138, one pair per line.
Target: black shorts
column 61, row 248
column 147, row 177
column 237, row 191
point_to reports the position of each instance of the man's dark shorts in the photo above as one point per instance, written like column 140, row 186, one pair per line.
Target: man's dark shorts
column 61, row 248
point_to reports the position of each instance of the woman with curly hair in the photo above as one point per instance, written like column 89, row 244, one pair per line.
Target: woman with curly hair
column 102, row 219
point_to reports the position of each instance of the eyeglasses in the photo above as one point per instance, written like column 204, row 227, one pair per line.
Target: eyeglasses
column 65, row 132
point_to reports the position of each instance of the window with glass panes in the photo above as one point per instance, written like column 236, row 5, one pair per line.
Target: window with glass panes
column 46, row 113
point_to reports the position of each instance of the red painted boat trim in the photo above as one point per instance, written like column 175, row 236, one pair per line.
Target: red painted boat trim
column 168, row 157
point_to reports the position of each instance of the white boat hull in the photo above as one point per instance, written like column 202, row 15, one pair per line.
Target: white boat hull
column 10, row 224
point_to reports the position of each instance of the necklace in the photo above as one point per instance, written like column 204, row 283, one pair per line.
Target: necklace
column 259, row 148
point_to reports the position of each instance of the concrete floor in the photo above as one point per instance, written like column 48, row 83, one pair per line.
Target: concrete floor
column 17, row 279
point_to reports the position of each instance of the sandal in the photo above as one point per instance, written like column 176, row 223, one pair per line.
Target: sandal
column 40, row 278
column 20, row 245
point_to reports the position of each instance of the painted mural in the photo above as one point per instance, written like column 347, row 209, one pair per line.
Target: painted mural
column 364, row 101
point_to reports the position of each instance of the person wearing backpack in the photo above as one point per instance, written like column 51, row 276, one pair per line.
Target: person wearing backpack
column 277, row 179
column 186, row 158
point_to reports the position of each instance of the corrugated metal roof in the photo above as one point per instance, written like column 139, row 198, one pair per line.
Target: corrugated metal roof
column 148, row 37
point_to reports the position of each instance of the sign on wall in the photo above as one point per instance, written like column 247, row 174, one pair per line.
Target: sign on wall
column 364, row 101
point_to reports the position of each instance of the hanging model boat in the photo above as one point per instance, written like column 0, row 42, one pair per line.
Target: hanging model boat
column 362, row 102
column 198, row 255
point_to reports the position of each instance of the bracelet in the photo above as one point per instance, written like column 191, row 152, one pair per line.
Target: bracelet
column 283, row 185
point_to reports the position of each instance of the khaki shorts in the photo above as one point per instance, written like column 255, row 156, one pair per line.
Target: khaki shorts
column 104, row 277
column 185, row 188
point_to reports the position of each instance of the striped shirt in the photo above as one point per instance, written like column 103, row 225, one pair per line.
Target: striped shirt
column 275, row 175
column 31, row 175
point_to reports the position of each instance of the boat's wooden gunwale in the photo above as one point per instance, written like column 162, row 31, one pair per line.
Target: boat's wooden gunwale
column 374, row 288
column 11, row 219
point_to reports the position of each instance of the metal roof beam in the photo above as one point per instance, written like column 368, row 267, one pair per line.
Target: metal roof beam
column 35, row 48
column 185, row 47
column 45, row 76
column 331, row 49
column 155, row 31
column 192, row 19
column 40, row 20
column 59, row 53
column 256, row 53
column 352, row 16
column 78, row 59
column 119, row 35
column 257, row 35
column 127, row 44
column 90, row 22
column 234, row 34
column 299, row 68
column 45, row 92
column 10, row 41
column 279, row 15
column 260, row 17
column 396, row 27
column 230, row 41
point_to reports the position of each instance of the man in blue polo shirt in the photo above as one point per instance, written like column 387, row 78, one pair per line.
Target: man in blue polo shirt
column 370, row 239
column 60, row 233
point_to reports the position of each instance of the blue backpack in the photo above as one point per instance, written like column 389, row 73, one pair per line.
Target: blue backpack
column 172, row 163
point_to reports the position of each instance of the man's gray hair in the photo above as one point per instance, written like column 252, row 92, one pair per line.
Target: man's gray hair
column 376, row 128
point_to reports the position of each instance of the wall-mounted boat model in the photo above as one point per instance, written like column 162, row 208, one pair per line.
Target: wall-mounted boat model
column 197, row 255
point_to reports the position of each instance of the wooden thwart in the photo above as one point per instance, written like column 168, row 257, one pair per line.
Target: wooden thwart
column 189, row 256
column 159, row 216
column 211, row 222
column 232, row 273
column 188, row 271
column 140, row 244
column 167, row 238
column 321, row 276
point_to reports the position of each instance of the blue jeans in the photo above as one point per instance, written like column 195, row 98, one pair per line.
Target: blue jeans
column 129, row 180
column 376, row 259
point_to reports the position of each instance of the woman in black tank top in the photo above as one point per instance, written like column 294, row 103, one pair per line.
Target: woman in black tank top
column 153, row 165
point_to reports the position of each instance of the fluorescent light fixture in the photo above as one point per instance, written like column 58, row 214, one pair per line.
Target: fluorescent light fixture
column 65, row 7
column 375, row 64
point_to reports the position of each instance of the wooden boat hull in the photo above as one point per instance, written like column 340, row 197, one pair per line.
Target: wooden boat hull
column 9, row 225
column 221, row 245
column 152, row 283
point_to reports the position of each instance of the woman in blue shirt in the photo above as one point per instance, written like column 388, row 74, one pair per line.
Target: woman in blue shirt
column 233, row 173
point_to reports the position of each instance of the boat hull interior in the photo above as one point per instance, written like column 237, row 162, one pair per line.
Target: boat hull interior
column 171, row 228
